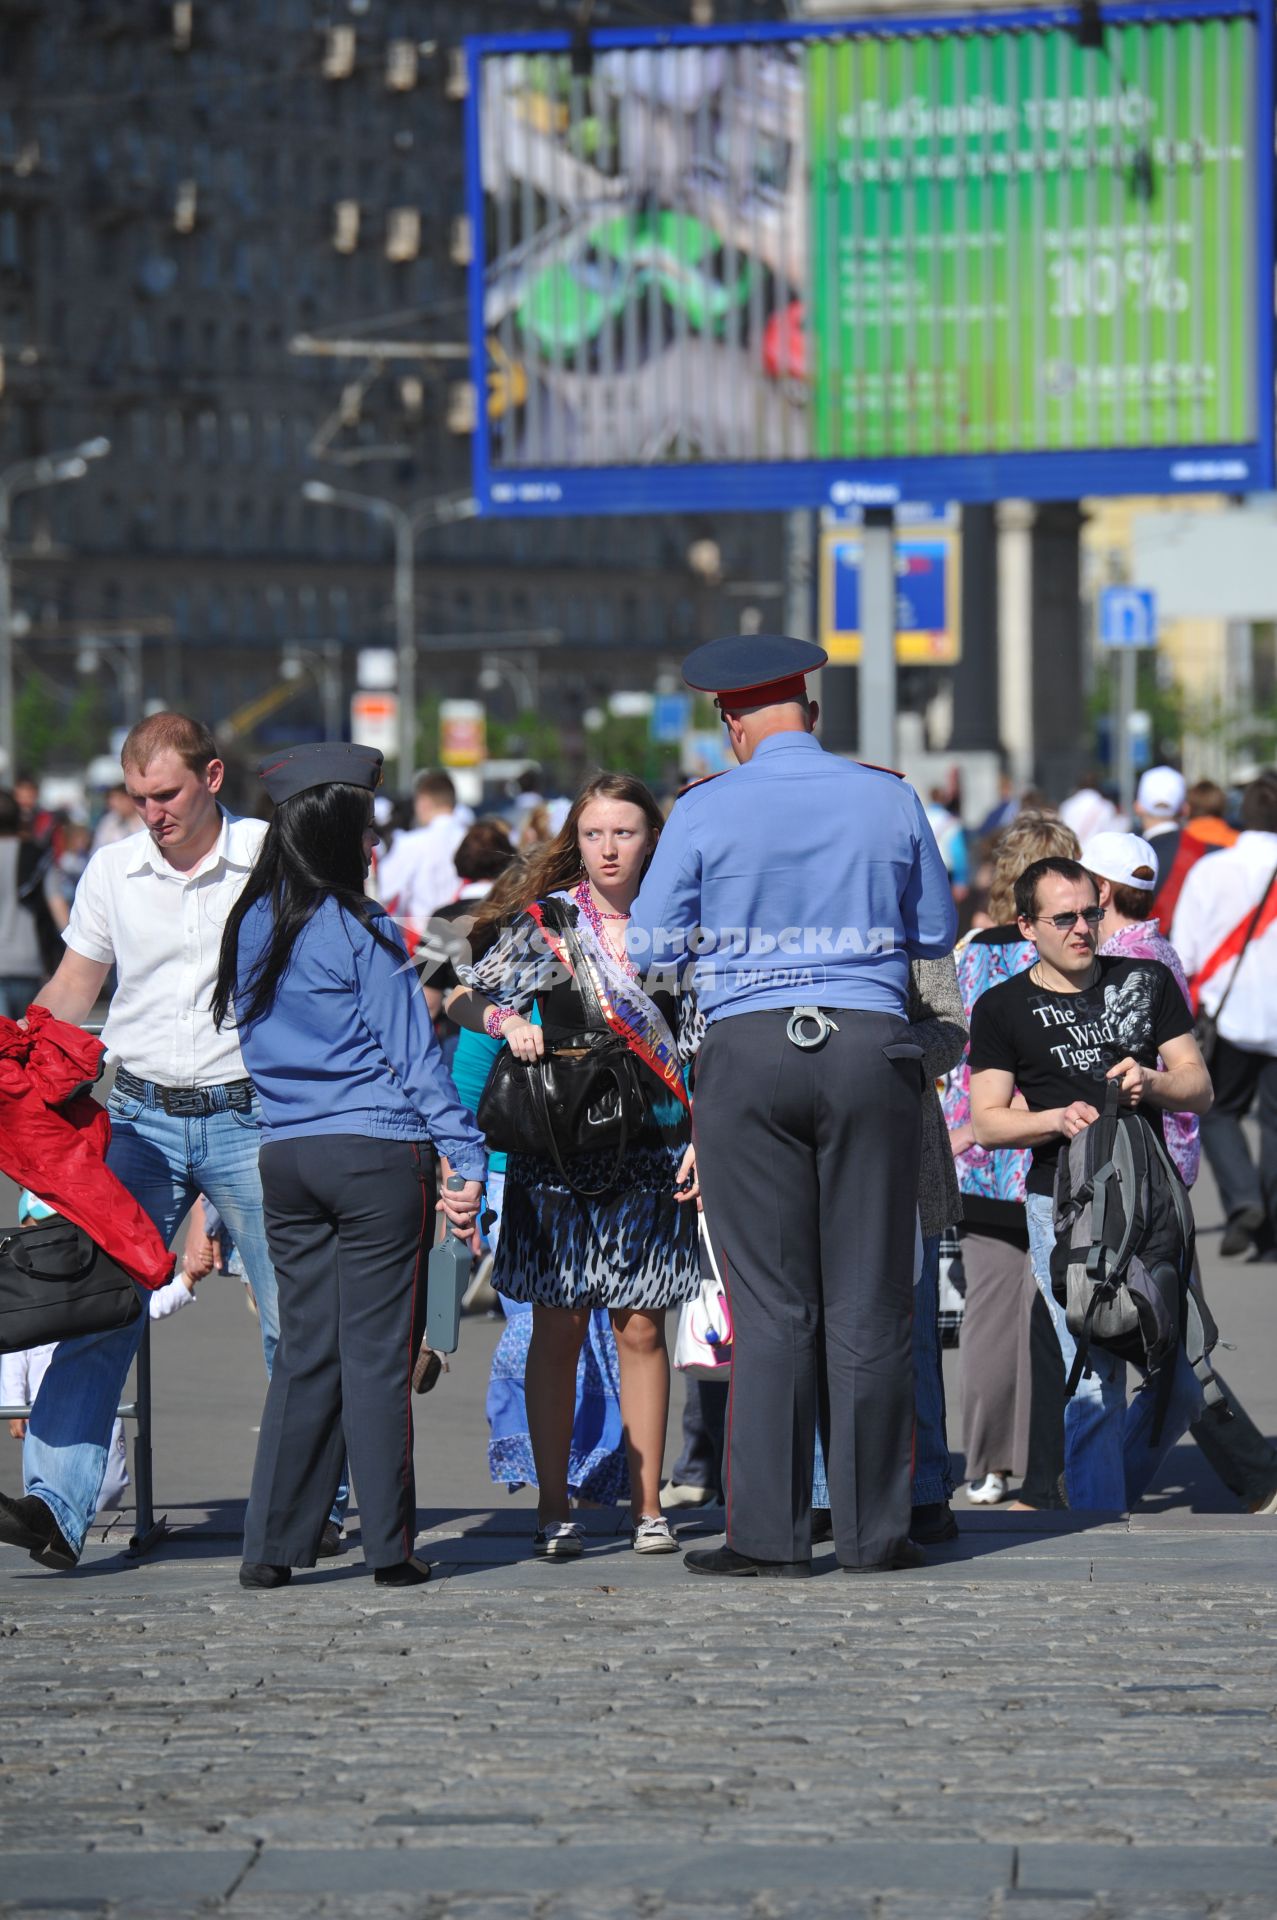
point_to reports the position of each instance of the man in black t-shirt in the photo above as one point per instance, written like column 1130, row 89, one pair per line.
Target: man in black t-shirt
column 1043, row 1046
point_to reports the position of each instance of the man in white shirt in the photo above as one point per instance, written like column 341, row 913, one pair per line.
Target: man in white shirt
column 418, row 875
column 1226, row 931
column 184, row 1115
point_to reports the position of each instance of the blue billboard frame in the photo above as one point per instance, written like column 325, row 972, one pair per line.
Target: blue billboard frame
column 761, row 486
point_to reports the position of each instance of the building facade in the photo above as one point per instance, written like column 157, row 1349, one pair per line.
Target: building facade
column 189, row 190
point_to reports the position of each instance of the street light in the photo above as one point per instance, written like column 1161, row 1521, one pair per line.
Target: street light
column 47, row 470
column 407, row 523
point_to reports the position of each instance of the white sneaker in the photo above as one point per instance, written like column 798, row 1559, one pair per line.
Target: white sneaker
column 1268, row 1506
column 561, row 1540
column 652, row 1535
column 989, row 1491
column 675, row 1494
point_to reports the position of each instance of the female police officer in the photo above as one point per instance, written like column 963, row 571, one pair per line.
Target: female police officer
column 353, row 1090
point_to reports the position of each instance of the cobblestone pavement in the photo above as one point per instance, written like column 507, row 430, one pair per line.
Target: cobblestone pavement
column 1074, row 1723
column 1068, row 1723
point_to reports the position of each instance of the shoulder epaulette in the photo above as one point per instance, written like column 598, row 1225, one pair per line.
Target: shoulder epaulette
column 872, row 767
column 703, row 781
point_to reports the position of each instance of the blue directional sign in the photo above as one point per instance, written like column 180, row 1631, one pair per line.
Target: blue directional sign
column 671, row 717
column 1128, row 617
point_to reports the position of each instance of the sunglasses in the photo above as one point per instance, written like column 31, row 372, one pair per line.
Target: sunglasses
column 1065, row 922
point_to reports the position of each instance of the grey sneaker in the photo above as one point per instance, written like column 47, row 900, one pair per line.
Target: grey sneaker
column 652, row 1535
column 561, row 1540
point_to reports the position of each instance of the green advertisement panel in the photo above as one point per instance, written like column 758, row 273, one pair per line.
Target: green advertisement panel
column 1018, row 245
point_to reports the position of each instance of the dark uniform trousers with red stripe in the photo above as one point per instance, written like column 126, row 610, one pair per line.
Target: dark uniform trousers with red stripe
column 808, row 1165
column 349, row 1220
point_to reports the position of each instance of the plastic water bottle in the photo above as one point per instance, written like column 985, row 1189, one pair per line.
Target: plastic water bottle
column 447, row 1277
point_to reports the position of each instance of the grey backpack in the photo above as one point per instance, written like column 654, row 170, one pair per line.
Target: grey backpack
column 1123, row 1264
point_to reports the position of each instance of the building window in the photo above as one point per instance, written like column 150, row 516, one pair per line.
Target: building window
column 207, row 429
column 175, row 435
column 175, row 343
column 241, row 437
column 141, row 437
column 10, row 249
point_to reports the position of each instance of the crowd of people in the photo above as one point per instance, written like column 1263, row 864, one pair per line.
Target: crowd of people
column 624, row 1053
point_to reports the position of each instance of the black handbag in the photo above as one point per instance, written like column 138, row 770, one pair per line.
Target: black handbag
column 56, row 1283
column 1206, row 1025
column 583, row 1095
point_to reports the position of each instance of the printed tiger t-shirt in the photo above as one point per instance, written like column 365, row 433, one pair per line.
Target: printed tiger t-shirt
column 1061, row 1046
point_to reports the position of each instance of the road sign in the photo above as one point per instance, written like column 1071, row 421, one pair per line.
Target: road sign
column 927, row 617
column 808, row 263
column 463, row 733
column 374, row 718
column 671, row 717
column 376, row 668
column 1128, row 617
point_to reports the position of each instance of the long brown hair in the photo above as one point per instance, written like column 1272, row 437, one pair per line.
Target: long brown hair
column 556, row 866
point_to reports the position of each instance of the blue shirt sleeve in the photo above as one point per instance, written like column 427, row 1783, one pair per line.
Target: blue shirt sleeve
column 668, row 906
column 391, row 1004
column 930, row 916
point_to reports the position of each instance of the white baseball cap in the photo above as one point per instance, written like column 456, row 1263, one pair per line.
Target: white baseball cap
column 1161, row 792
column 1122, row 858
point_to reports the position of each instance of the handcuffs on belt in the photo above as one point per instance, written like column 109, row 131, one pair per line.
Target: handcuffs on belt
column 802, row 1017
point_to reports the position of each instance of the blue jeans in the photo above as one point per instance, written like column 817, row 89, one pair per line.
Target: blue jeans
column 166, row 1162
column 17, row 991
column 1109, row 1454
column 932, row 1479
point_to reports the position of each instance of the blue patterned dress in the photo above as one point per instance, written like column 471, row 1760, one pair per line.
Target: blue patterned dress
column 598, row 1468
column 631, row 1246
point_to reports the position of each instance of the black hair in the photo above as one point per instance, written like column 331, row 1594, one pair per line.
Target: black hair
column 1026, row 886
column 312, row 852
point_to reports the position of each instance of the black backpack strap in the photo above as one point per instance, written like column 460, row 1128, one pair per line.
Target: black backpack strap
column 1079, row 1366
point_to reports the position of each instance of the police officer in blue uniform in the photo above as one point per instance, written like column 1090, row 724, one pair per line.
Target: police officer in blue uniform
column 355, row 1101
column 798, row 887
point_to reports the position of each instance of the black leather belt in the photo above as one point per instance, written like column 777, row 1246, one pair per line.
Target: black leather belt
column 186, row 1102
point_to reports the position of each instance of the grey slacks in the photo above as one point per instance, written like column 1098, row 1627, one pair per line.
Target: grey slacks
column 993, row 1354
column 350, row 1220
column 808, row 1165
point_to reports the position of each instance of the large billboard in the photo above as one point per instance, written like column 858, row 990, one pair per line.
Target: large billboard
column 878, row 260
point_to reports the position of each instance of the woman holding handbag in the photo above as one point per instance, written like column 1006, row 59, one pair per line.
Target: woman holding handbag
column 589, row 1225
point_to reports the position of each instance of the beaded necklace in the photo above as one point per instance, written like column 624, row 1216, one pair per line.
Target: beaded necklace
column 594, row 918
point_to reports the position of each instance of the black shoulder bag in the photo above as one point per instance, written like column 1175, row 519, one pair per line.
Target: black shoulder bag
column 1206, row 1025
column 56, row 1283
column 582, row 1096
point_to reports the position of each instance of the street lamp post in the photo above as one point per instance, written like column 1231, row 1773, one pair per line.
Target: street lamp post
column 406, row 523
column 48, row 470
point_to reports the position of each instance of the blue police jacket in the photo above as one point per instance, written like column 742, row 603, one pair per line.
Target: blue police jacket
column 798, row 879
column 348, row 1046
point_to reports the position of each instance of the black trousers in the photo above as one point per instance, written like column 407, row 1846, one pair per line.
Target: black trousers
column 1243, row 1079
column 808, row 1165
column 349, row 1220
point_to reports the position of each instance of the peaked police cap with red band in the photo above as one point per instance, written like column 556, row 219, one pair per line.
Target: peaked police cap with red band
column 753, row 669
column 321, row 764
